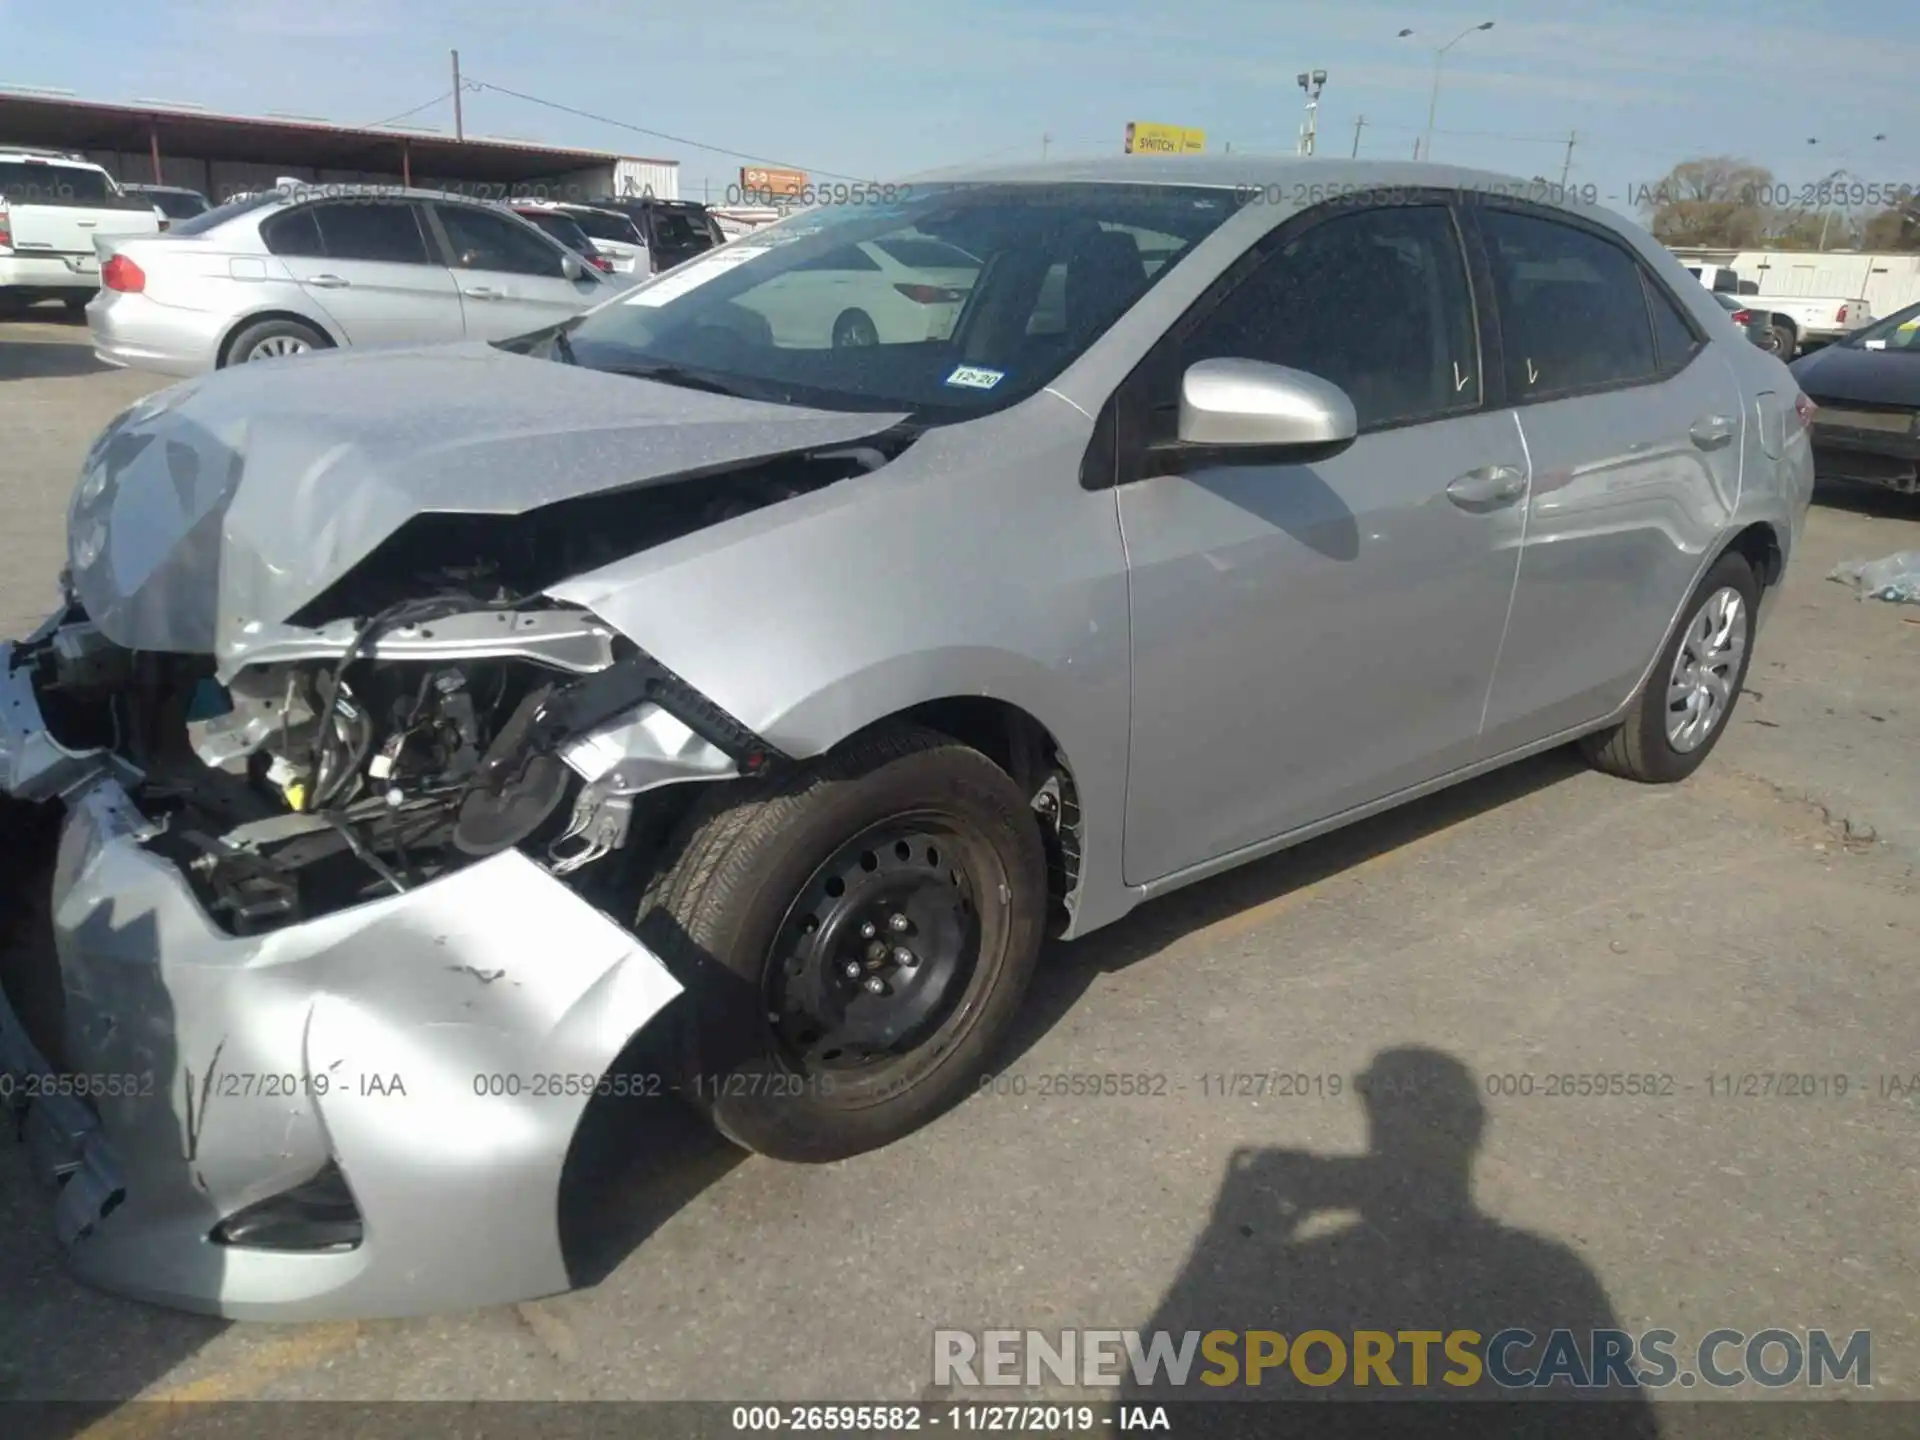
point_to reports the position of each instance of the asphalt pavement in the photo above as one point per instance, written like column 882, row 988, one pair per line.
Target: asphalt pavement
column 1759, row 920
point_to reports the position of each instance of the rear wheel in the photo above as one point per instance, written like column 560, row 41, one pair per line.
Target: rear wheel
column 854, row 329
column 272, row 340
column 853, row 944
column 77, row 304
column 1682, row 710
column 1785, row 342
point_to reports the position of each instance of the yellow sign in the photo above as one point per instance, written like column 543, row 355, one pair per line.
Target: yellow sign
column 1146, row 138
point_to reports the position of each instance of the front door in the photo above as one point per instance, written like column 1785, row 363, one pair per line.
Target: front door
column 1310, row 637
column 512, row 278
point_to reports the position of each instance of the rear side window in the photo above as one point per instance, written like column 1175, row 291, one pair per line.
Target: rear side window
column 1573, row 314
column 1674, row 342
column 292, row 232
column 385, row 231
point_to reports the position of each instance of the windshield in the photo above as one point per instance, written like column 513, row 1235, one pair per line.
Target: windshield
column 958, row 300
column 1899, row 331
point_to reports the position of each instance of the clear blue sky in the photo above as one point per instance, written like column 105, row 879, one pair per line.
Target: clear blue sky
column 882, row 88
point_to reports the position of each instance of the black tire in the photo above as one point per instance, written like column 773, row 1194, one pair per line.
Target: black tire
column 1640, row 748
column 729, row 916
column 252, row 336
column 1785, row 342
column 77, row 304
column 854, row 329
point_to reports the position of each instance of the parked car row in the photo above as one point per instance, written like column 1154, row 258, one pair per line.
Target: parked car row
column 1796, row 321
column 54, row 206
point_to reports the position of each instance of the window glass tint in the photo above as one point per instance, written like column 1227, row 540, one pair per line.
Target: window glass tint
column 483, row 240
column 1672, row 337
column 221, row 214
column 1572, row 314
column 292, row 232
column 675, row 230
column 1375, row 301
column 35, row 182
column 560, row 227
column 605, row 225
column 360, row 230
column 846, row 258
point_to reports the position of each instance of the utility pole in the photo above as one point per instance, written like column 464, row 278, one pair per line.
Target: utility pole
column 1567, row 168
column 1358, row 126
column 459, row 132
column 1045, row 140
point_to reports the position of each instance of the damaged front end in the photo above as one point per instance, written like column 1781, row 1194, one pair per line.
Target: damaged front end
column 342, row 903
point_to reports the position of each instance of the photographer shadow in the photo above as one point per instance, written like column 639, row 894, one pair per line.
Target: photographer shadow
column 1391, row 1242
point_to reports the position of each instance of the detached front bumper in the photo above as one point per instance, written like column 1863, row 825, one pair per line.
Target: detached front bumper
column 428, row 1055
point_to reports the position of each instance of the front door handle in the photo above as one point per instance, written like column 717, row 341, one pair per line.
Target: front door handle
column 1712, row 430
column 1489, row 485
column 483, row 292
column 328, row 282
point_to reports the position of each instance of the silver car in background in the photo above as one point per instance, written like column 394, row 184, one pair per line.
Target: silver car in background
column 431, row 728
column 306, row 268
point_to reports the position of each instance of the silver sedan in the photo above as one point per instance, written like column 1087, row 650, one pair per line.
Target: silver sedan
column 318, row 267
column 428, row 728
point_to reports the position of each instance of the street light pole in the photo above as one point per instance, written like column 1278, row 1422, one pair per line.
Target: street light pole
column 1439, row 54
column 1312, row 82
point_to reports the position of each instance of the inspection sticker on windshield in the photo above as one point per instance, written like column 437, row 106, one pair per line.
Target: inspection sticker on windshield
column 693, row 274
column 975, row 377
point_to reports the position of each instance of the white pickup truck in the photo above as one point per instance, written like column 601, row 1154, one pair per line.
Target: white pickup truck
column 1797, row 320
column 53, row 205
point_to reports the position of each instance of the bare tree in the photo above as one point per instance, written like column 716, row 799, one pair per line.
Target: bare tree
column 1714, row 200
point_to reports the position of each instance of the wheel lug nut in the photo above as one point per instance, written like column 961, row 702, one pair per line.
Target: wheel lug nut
column 898, row 924
column 868, row 930
column 851, row 969
column 904, row 958
column 876, row 986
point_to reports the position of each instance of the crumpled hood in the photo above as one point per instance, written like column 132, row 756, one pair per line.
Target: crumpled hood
column 227, row 503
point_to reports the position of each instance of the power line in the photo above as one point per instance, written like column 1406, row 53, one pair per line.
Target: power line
column 437, row 100
column 658, row 134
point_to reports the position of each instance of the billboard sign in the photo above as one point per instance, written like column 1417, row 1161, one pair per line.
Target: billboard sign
column 771, row 182
column 1146, row 138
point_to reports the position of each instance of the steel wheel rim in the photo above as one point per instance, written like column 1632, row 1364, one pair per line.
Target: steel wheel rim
column 844, row 1003
column 275, row 346
column 1700, row 687
column 856, row 334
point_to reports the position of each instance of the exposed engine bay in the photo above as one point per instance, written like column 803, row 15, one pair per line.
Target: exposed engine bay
column 434, row 708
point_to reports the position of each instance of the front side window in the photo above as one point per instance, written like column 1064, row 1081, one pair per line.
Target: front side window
column 1572, row 313
column 483, row 240
column 1377, row 301
column 927, row 305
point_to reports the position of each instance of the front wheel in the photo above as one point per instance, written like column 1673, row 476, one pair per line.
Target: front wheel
column 854, row 329
column 1682, row 710
column 1785, row 342
column 853, row 943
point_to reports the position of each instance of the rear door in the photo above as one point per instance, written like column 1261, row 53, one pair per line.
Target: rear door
column 1634, row 423
column 511, row 278
column 367, row 264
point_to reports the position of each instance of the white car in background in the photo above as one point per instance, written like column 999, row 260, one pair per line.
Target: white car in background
column 614, row 236
column 53, row 206
column 892, row 291
column 312, row 268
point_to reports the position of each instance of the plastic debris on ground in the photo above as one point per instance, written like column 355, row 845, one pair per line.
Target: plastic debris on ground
column 1894, row 577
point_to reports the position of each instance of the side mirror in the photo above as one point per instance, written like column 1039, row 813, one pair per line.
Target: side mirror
column 1249, row 403
column 572, row 266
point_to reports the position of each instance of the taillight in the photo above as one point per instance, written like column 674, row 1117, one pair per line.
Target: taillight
column 931, row 294
column 122, row 274
column 1743, row 317
column 1803, row 408
column 6, row 227
column 600, row 262
column 1840, row 315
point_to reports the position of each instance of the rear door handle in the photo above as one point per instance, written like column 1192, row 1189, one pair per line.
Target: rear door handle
column 1711, row 430
column 483, row 292
column 1489, row 485
column 328, row 282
